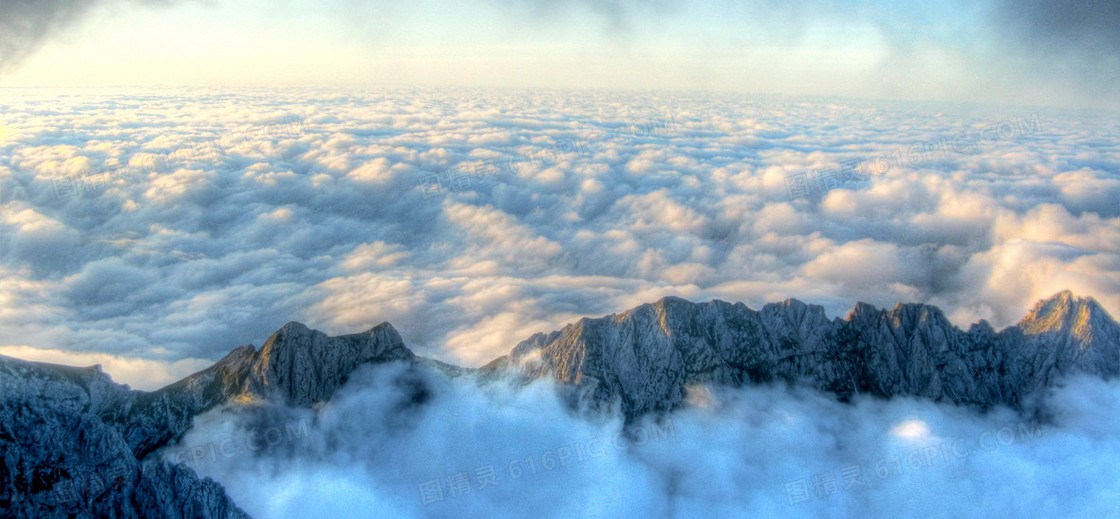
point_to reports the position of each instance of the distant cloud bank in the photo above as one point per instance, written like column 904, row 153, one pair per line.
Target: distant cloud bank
column 291, row 205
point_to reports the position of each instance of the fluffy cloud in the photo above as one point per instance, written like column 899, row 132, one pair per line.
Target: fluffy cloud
column 495, row 449
column 174, row 226
column 151, row 374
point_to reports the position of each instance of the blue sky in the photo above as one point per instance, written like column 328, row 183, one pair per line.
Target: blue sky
column 1036, row 52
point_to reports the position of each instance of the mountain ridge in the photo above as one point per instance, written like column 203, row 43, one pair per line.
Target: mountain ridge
column 643, row 359
column 912, row 349
column 84, row 407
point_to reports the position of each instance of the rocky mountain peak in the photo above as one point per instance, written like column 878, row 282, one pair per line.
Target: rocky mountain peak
column 647, row 355
column 643, row 359
column 1062, row 312
column 863, row 312
column 306, row 366
column 918, row 314
column 296, row 365
column 981, row 327
column 794, row 309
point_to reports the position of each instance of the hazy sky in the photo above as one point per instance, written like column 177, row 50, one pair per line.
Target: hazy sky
column 1033, row 52
column 154, row 229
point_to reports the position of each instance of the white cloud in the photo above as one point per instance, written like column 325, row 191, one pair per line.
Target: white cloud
column 139, row 373
column 494, row 449
column 244, row 229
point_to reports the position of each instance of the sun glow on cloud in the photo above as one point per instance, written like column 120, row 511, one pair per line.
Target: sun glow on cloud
column 179, row 178
column 139, row 373
column 993, row 50
column 744, row 453
column 468, row 245
column 911, row 430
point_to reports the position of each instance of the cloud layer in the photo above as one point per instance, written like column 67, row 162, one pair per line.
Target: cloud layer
column 493, row 450
column 173, row 225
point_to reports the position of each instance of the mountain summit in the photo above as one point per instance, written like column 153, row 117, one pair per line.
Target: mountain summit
column 646, row 357
column 1064, row 313
column 63, row 427
column 73, row 441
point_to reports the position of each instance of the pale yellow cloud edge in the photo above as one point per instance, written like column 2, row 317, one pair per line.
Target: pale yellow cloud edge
column 139, row 373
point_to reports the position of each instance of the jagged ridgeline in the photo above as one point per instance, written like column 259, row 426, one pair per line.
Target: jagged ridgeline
column 74, row 443
column 647, row 356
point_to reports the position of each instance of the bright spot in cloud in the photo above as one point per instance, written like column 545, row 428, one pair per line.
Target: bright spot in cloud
column 911, row 430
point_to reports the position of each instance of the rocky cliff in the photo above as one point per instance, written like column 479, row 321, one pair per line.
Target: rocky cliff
column 76, row 444
column 647, row 356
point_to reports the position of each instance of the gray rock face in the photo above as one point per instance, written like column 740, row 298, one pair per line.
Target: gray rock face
column 305, row 366
column 59, row 459
column 74, row 443
column 296, row 364
column 647, row 356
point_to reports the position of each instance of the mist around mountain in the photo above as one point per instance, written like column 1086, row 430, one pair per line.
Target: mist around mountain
column 672, row 408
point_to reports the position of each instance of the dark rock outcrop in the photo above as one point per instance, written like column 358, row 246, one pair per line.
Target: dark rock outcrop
column 76, row 444
column 60, row 459
column 647, row 356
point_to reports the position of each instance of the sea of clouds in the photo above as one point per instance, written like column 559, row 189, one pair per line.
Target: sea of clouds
column 153, row 231
column 469, row 448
